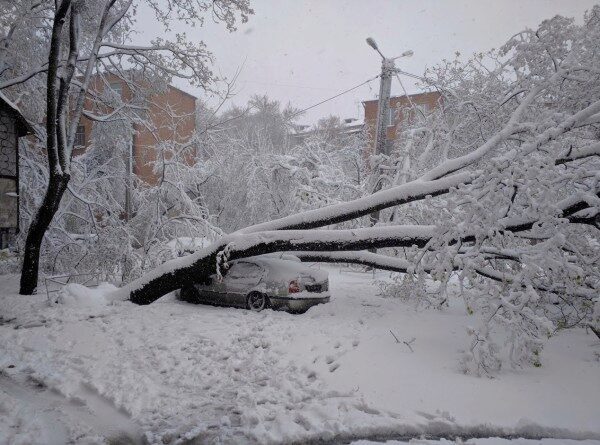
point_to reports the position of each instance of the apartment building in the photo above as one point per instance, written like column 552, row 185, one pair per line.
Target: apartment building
column 170, row 116
column 398, row 104
column 12, row 127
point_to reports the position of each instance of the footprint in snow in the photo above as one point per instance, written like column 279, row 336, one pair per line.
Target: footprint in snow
column 333, row 367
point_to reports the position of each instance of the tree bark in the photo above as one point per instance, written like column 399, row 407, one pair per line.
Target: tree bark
column 55, row 148
column 37, row 229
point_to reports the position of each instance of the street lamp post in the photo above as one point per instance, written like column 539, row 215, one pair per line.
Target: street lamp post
column 383, row 106
column 383, row 109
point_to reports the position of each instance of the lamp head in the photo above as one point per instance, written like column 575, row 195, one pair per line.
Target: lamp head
column 371, row 42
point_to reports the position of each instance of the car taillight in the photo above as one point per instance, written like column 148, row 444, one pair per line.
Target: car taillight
column 293, row 287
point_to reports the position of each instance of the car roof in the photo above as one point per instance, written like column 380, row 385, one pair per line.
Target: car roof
column 282, row 268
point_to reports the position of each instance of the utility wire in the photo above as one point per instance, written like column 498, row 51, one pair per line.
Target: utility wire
column 333, row 97
column 218, row 124
column 287, row 85
column 414, row 76
column 412, row 105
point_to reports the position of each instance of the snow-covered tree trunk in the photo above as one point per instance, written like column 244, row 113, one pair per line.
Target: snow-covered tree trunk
column 56, row 144
column 58, row 38
column 35, row 235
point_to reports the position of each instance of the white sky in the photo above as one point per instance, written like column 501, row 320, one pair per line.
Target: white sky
column 304, row 51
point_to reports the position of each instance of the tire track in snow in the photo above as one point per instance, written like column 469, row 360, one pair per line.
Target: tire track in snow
column 63, row 419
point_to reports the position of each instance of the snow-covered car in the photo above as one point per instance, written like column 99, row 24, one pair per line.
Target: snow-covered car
column 278, row 281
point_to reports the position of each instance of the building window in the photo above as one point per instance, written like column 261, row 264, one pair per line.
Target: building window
column 117, row 88
column 80, row 136
column 426, row 107
column 392, row 118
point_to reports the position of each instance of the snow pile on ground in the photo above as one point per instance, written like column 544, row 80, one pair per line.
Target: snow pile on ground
column 74, row 294
column 172, row 372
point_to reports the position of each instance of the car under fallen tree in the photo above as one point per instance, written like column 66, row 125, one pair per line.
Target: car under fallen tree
column 277, row 281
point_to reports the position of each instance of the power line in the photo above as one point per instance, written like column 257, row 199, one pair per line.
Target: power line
column 414, row 76
column 286, row 85
column 218, row 124
column 412, row 105
column 333, row 97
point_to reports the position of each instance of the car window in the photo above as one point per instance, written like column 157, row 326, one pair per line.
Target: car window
column 244, row 270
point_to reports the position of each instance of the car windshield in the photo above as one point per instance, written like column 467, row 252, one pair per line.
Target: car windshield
column 244, row 270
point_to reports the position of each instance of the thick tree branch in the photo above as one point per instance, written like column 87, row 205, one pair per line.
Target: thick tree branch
column 402, row 194
column 173, row 274
column 401, row 265
column 65, row 83
column 51, row 99
column 100, row 35
column 364, row 258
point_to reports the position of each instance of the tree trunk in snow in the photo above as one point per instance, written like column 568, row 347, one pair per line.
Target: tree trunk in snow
column 37, row 229
column 55, row 147
column 100, row 29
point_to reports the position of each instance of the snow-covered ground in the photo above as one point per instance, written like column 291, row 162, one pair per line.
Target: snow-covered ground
column 82, row 371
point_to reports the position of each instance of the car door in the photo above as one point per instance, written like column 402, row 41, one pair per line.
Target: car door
column 212, row 291
column 242, row 277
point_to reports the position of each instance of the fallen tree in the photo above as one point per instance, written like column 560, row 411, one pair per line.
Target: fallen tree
column 214, row 259
column 502, row 191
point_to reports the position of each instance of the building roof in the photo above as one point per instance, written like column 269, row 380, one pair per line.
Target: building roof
column 23, row 127
column 347, row 126
column 119, row 78
column 190, row 95
column 400, row 96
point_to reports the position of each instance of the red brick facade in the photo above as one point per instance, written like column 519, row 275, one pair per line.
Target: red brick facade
column 172, row 118
column 428, row 101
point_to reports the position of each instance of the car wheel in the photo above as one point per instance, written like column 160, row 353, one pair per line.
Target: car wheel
column 256, row 301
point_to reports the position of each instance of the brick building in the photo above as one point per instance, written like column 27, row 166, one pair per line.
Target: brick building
column 12, row 126
column 171, row 115
column 398, row 104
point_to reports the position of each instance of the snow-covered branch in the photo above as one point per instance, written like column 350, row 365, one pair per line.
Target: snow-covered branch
column 403, row 194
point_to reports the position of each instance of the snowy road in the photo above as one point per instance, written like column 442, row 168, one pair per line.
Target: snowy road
column 178, row 373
